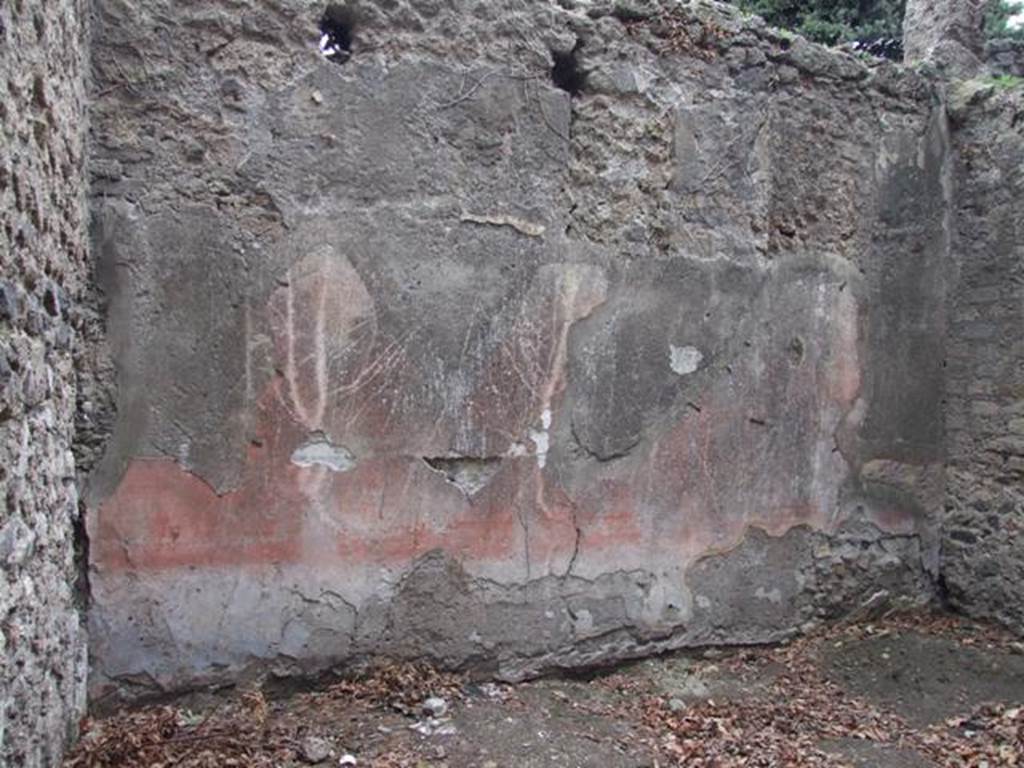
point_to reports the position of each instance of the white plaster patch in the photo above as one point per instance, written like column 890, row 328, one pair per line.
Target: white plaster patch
column 684, row 360
column 318, row 451
column 542, row 439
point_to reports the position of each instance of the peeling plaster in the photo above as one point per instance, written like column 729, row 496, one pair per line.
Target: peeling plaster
column 318, row 451
column 471, row 475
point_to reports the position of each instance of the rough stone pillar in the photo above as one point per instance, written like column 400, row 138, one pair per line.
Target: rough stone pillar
column 982, row 559
column 946, row 33
column 42, row 274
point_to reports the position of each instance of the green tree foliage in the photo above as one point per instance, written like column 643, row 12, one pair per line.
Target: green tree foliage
column 997, row 20
column 839, row 21
column 832, row 21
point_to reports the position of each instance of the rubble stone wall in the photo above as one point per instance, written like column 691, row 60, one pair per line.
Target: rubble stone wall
column 518, row 335
column 982, row 557
column 43, row 272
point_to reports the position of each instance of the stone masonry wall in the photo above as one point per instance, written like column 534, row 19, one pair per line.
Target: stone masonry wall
column 1005, row 57
column 42, row 270
column 514, row 335
column 982, row 557
column 948, row 34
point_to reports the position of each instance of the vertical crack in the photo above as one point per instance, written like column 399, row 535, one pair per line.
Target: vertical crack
column 576, row 543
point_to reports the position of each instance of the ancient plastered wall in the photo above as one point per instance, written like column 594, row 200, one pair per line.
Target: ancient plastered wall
column 420, row 355
column 42, row 264
column 982, row 556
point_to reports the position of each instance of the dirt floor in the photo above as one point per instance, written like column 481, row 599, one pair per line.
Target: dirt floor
column 901, row 693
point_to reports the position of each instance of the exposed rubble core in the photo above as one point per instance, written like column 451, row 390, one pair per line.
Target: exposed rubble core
column 536, row 335
column 947, row 34
column 43, row 279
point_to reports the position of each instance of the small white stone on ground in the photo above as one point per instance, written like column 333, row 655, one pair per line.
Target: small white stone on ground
column 314, row 750
column 435, row 706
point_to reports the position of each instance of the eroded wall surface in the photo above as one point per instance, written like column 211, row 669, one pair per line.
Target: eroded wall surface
column 982, row 556
column 43, row 271
column 419, row 354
